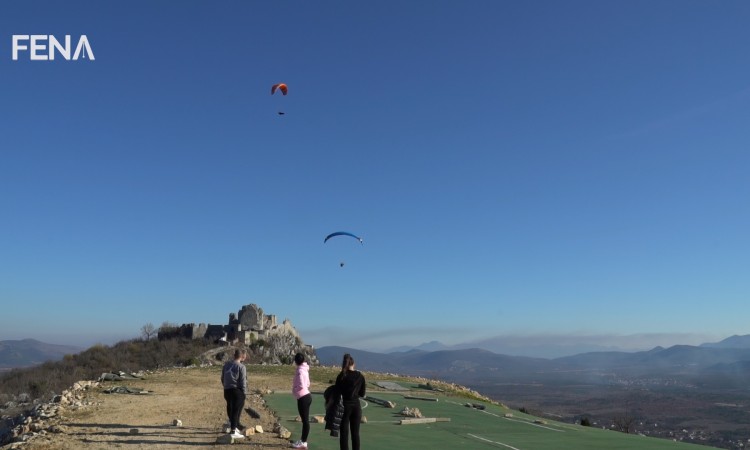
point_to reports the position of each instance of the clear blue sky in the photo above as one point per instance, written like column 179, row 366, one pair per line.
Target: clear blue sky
column 515, row 168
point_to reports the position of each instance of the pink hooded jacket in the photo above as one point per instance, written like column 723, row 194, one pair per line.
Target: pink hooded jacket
column 301, row 384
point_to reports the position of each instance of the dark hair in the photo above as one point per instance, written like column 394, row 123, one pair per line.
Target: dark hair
column 346, row 363
column 299, row 358
column 238, row 352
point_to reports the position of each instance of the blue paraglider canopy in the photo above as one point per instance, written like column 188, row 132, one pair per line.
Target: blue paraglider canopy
column 343, row 233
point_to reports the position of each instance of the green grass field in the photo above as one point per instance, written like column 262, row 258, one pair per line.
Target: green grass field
column 468, row 428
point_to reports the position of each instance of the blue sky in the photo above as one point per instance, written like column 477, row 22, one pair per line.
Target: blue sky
column 556, row 169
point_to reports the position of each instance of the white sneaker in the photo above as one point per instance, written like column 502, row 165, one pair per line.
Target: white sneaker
column 237, row 435
column 299, row 444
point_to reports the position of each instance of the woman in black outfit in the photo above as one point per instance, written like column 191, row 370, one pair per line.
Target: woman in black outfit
column 351, row 384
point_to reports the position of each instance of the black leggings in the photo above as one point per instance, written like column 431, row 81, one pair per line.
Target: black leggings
column 303, row 406
column 351, row 420
column 235, row 401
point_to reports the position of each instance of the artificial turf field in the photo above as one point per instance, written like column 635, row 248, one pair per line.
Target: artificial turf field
column 469, row 428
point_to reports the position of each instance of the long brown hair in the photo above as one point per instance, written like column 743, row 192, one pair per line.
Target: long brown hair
column 346, row 364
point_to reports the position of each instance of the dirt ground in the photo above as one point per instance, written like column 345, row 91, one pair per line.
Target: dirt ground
column 194, row 396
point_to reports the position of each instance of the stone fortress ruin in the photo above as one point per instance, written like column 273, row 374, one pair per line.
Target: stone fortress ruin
column 247, row 326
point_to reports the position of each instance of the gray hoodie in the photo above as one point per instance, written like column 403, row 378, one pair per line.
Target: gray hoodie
column 234, row 376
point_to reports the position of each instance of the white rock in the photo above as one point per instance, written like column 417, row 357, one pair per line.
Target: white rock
column 284, row 433
column 225, row 439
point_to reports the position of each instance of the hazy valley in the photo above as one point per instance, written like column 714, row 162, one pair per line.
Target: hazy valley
column 695, row 393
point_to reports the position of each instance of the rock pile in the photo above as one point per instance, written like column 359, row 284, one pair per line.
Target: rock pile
column 411, row 412
column 45, row 417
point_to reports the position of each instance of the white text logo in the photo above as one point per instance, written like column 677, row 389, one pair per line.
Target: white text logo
column 43, row 47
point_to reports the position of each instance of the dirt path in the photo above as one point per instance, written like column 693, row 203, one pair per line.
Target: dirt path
column 193, row 396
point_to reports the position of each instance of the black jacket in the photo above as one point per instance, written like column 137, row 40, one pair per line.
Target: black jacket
column 334, row 409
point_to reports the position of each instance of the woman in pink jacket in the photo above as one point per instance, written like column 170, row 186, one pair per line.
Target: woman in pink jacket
column 301, row 391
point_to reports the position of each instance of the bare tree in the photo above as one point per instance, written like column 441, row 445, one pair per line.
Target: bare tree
column 624, row 423
column 148, row 331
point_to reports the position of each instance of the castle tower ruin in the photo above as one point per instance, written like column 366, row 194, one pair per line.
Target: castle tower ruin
column 251, row 317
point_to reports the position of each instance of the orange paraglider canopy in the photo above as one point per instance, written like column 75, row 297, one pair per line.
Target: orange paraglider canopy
column 281, row 86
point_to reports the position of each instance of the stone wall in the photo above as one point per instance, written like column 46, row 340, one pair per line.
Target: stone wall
column 186, row 330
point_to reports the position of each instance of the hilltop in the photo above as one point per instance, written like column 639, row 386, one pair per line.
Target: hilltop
column 193, row 396
column 600, row 387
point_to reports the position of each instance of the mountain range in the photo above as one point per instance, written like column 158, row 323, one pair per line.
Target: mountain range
column 555, row 346
column 508, row 346
column 730, row 358
column 731, row 355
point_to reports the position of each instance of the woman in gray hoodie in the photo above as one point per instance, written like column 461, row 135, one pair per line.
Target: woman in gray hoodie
column 234, row 380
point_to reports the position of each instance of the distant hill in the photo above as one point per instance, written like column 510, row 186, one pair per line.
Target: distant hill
column 30, row 352
column 731, row 342
column 451, row 364
column 427, row 346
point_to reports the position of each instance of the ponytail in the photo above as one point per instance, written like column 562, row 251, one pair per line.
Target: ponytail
column 346, row 364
